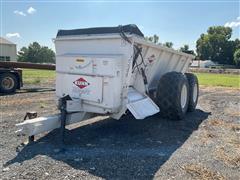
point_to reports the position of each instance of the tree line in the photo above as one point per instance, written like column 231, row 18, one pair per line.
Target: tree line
column 35, row 53
column 216, row 45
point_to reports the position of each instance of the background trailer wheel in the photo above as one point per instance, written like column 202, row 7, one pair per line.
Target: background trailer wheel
column 173, row 95
column 8, row 83
column 193, row 91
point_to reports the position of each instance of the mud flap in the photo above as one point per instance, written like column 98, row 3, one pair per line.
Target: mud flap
column 140, row 105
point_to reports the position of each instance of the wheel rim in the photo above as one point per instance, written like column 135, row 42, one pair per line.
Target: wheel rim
column 195, row 92
column 7, row 83
column 184, row 96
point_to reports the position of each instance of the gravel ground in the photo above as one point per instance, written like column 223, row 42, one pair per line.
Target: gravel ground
column 205, row 145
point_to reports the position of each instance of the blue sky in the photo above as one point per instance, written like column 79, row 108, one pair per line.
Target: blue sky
column 181, row 22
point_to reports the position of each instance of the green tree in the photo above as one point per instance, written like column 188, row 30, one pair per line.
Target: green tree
column 153, row 38
column 168, row 44
column 36, row 53
column 184, row 48
column 216, row 45
column 237, row 44
column 237, row 57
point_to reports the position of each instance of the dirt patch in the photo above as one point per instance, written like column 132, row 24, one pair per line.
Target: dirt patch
column 236, row 128
column 207, row 137
column 198, row 171
column 222, row 123
column 233, row 127
column 219, row 89
column 230, row 157
column 232, row 112
column 12, row 102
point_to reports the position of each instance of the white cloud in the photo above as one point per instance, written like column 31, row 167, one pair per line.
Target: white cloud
column 19, row 13
column 31, row 10
column 234, row 23
column 10, row 35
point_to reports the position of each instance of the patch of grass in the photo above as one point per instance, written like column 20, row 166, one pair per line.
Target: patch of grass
column 225, row 80
column 34, row 76
column 32, row 80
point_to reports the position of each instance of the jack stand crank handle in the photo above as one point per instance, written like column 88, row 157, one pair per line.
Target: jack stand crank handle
column 30, row 115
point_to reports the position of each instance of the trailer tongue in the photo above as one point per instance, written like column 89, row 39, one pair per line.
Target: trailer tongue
column 105, row 71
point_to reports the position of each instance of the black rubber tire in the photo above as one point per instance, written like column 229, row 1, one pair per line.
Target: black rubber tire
column 192, row 80
column 168, row 96
column 14, row 81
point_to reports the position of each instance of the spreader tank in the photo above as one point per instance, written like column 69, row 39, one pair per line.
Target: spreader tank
column 107, row 70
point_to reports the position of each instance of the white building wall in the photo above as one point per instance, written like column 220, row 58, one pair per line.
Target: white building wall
column 9, row 50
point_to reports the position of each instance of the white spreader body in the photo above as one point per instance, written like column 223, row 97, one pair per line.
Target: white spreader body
column 98, row 73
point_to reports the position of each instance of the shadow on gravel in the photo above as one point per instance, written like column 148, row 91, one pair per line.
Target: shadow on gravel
column 121, row 149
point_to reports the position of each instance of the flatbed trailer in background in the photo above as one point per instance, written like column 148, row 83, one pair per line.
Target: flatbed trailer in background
column 11, row 75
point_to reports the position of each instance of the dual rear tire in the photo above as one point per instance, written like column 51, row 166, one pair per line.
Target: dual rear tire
column 176, row 94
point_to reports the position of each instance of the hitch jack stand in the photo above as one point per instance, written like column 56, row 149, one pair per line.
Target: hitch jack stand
column 63, row 121
column 63, row 106
column 30, row 115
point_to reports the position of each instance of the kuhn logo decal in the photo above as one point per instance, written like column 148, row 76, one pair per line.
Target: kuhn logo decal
column 81, row 83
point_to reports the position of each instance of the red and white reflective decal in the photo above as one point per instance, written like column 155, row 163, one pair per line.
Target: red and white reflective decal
column 81, row 83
